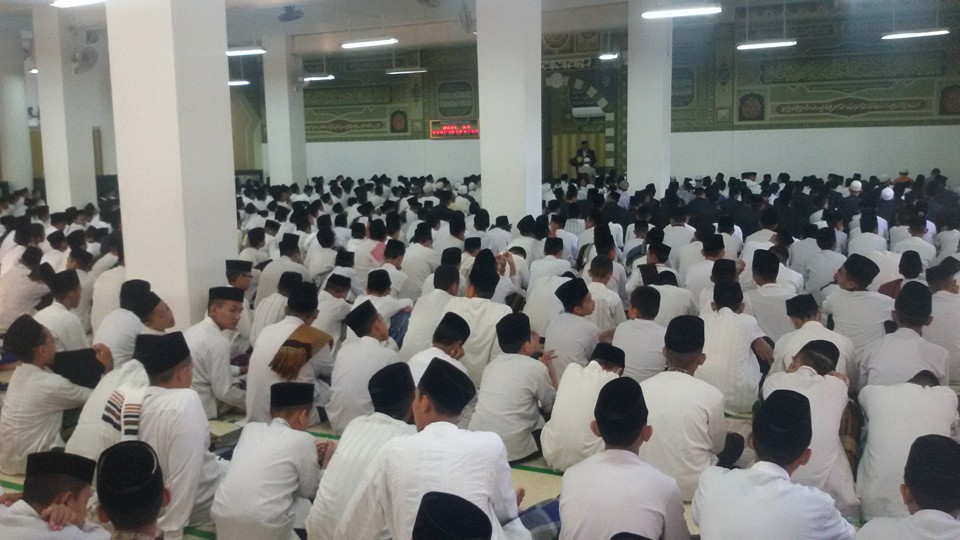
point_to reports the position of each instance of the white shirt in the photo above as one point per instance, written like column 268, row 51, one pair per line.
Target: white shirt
column 687, row 255
column 790, row 344
column 19, row 295
column 942, row 330
column 828, row 469
column 418, row 263
column 802, row 252
column 608, row 312
column 424, row 319
column 859, row 315
column 566, row 438
column 762, row 503
column 355, row 364
column 514, row 389
column 572, row 338
column 272, row 310
column 330, row 314
column 895, row 416
column 542, row 305
column 677, row 235
column 174, row 424
column 260, row 377
column 86, row 299
column 642, row 345
column 272, row 466
column 923, row 525
column 419, row 362
column 320, row 261
column 768, row 304
column 12, row 257
column 86, row 440
column 441, row 458
column 212, row 380
column 21, row 522
column 927, row 252
column 361, row 442
column 106, row 294
column 119, row 331
column 674, row 302
column 697, row 277
column 32, row 413
column 731, row 365
column 548, row 266
column 689, row 428
column 67, row 330
column 637, row 498
column 896, row 358
column 481, row 347
column 866, row 243
column 270, row 277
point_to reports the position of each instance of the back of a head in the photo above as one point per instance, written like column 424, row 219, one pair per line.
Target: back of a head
column 820, row 355
column 444, row 516
column 766, row 265
column 392, row 390
column 447, row 387
column 914, row 304
column 50, row 474
column 130, row 485
column 932, row 473
column 302, row 299
column 620, row 412
column 601, row 267
column 782, row 427
column 727, row 294
column 646, row 300
column 826, row 238
column 910, row 265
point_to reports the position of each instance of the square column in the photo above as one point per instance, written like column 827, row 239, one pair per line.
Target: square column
column 649, row 79
column 16, row 166
column 286, row 129
column 68, row 161
column 174, row 147
column 508, row 59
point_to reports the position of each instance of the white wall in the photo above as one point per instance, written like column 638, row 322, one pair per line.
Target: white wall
column 868, row 150
column 453, row 159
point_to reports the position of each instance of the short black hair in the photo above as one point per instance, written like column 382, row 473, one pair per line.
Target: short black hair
column 646, row 300
column 445, row 276
column 601, row 266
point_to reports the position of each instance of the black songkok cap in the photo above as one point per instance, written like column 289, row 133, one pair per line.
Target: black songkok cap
column 526, row 224
column 61, row 463
column 449, row 387
column 344, row 258
column 571, row 293
column 602, row 238
column 712, row 243
column 483, row 275
column 284, row 395
column 914, row 300
column 423, row 233
column 443, row 516
column 471, row 243
column 289, row 242
column 379, row 280
column 552, row 245
column 256, row 235
column 64, row 282
column 391, row 386
column 513, row 328
column 303, row 298
column 281, row 213
column 727, row 294
column 146, row 304
column 451, row 256
column 826, row 349
column 239, row 266
column 56, row 237
column 289, row 280
column 620, row 407
column 503, row 222
column 160, row 353
column 940, row 273
column 81, row 256
column 339, row 280
column 226, row 293
column 801, row 306
column 360, row 317
column 684, row 334
column 132, row 292
column 765, row 262
column 724, row 268
column 609, row 354
column 454, row 325
column 24, row 335
column 130, row 481
column 861, row 269
column 933, row 468
column 782, row 424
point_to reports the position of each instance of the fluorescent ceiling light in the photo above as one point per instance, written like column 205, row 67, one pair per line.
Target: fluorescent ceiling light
column 375, row 42
column 245, row 51
column 239, row 82
column 75, row 3
column 34, row 71
column 917, row 33
column 766, row 44
column 406, row 71
column 314, row 77
column 609, row 56
column 688, row 10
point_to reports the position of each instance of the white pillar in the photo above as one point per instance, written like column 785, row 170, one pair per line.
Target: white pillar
column 511, row 153
column 174, row 152
column 286, row 130
column 16, row 167
column 649, row 75
column 68, row 163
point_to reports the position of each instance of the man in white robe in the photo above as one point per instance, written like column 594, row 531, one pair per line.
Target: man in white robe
column 123, row 325
column 767, row 302
column 945, row 312
column 332, row 308
column 289, row 261
column 641, row 338
column 429, row 310
column 212, row 374
column 805, row 316
column 271, row 310
column 67, row 330
column 240, row 275
column 571, row 335
column 420, row 261
column 447, row 344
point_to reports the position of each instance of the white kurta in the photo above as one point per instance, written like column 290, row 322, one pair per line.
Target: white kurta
column 640, row 499
column 866, row 243
column 642, row 344
column 481, row 347
column 418, row 263
column 674, row 302
column 421, row 361
column 106, row 294
column 923, row 525
column 514, row 390
column 274, row 470
column 440, row 458
column 21, row 522
column 542, row 305
column 330, row 314
column 86, row 299
column 790, row 344
column 761, row 502
column 355, row 363
column 260, row 377
column 361, row 442
column 859, row 315
column 566, row 438
column 547, row 267
column 212, row 380
column 271, row 311
column 821, row 270
column 119, row 331
column 768, row 304
column 174, row 424
column 19, row 295
column 896, row 358
column 32, row 414
column 572, row 338
column 270, row 277
column 67, row 330
column 689, row 428
column 926, row 251
column 697, row 277
column 828, row 469
column 895, row 416
column 424, row 319
column 942, row 330
column 608, row 312
column 731, row 366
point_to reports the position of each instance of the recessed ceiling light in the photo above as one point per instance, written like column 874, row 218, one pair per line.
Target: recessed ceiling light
column 375, row 42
